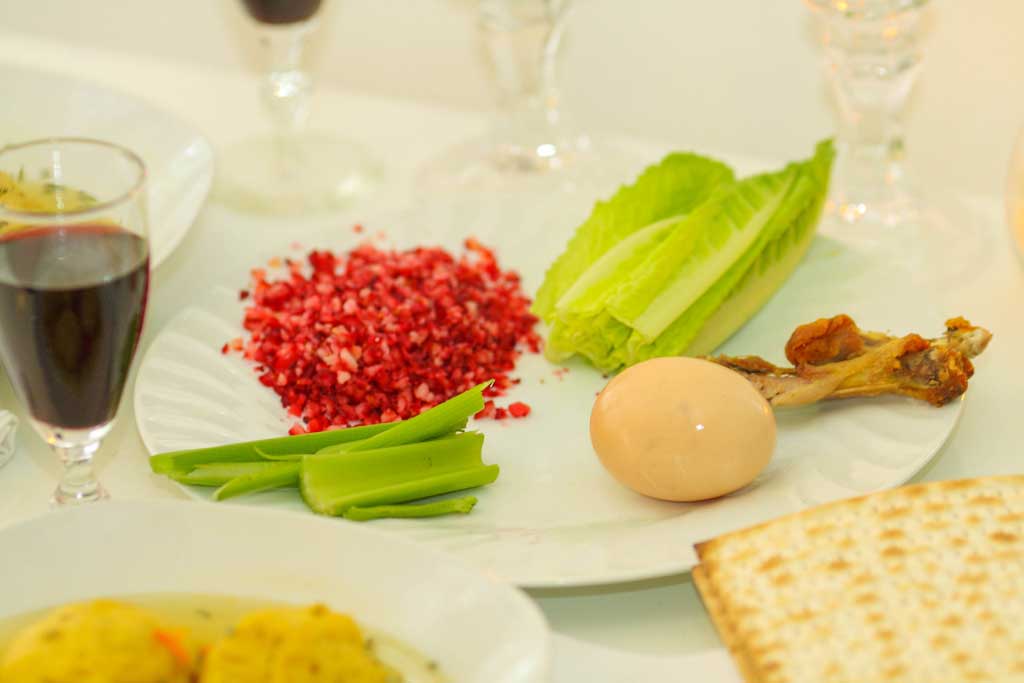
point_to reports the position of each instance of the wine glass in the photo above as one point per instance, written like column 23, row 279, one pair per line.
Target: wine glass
column 873, row 51
column 531, row 135
column 1015, row 194
column 74, row 279
column 291, row 169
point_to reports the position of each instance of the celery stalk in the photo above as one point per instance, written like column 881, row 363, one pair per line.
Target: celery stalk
column 452, row 428
column 332, row 483
column 279, row 457
column 276, row 475
column 218, row 474
column 182, row 462
column 410, row 489
column 442, row 507
column 439, row 421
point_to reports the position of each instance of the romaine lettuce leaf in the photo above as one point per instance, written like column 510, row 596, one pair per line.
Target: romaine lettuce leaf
column 674, row 187
column 772, row 268
column 731, row 225
column 602, row 279
column 653, row 294
column 799, row 210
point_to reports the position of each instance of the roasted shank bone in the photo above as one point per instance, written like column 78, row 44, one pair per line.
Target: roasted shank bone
column 832, row 358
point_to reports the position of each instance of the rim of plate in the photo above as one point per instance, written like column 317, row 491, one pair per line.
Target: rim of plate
column 683, row 568
column 203, row 181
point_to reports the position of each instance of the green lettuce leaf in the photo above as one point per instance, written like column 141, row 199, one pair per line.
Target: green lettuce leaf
column 772, row 268
column 714, row 266
column 674, row 187
column 793, row 222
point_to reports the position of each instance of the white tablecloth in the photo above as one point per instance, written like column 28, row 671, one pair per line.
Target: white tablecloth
column 662, row 617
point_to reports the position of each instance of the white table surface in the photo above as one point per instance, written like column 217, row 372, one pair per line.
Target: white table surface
column 661, row 617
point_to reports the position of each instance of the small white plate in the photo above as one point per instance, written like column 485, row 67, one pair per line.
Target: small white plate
column 554, row 517
column 178, row 158
column 478, row 629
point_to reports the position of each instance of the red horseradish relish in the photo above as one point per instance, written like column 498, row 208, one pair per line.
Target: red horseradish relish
column 377, row 335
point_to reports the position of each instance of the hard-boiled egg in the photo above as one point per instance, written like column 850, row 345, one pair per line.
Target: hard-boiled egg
column 682, row 429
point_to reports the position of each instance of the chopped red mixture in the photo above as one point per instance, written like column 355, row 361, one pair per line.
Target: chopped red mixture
column 377, row 335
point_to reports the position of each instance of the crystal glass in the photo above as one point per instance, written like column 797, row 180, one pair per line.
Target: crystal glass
column 531, row 134
column 291, row 169
column 873, row 55
column 873, row 52
column 74, row 279
column 1015, row 194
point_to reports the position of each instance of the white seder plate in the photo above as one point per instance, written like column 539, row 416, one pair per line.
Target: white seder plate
column 478, row 629
column 554, row 517
column 178, row 158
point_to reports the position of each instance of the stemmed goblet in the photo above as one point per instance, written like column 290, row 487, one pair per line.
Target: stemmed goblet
column 873, row 52
column 531, row 135
column 74, row 280
column 291, row 169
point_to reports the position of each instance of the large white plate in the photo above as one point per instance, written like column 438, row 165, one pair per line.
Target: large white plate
column 178, row 158
column 480, row 630
column 554, row 517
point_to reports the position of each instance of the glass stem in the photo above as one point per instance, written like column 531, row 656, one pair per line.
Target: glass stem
column 558, row 12
column 870, row 139
column 287, row 87
column 523, row 40
column 872, row 64
column 79, row 483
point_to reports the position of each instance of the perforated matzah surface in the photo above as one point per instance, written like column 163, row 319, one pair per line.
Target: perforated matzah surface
column 922, row 584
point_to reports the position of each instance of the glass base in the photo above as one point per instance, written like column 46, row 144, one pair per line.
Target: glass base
column 526, row 217
column 936, row 242
column 293, row 174
column 75, row 448
column 487, row 164
column 65, row 496
column 883, row 208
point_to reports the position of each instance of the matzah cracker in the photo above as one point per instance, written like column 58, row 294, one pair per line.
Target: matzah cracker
column 921, row 584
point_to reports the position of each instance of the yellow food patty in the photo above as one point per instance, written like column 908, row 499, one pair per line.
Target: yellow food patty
column 102, row 641
column 293, row 645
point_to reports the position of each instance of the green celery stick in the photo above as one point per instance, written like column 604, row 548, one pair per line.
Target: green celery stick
column 411, row 489
column 282, row 457
column 453, row 427
column 440, row 420
column 277, row 475
column 218, row 474
column 331, row 484
column 442, row 507
column 182, row 462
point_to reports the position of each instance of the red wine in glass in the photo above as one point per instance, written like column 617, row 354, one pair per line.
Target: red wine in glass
column 281, row 11
column 74, row 278
column 72, row 301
